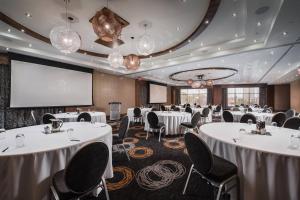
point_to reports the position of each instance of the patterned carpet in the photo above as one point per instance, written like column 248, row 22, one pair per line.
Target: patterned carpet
column 156, row 171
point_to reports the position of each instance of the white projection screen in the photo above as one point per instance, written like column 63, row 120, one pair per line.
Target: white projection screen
column 158, row 93
column 36, row 85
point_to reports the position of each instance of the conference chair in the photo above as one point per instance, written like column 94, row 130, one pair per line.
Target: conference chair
column 227, row 116
column 162, row 108
column 137, row 115
column 292, row 123
column 118, row 138
column 193, row 124
column 188, row 109
column 83, row 174
column 204, row 115
column 279, row 118
column 154, row 125
column 47, row 118
column 290, row 113
column 246, row 117
column 86, row 117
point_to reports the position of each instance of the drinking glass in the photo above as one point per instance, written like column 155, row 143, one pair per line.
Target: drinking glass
column 20, row 138
column 294, row 141
column 249, row 122
column 70, row 133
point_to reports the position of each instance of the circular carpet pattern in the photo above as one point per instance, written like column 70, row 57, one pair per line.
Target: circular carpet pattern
column 137, row 127
column 122, row 175
column 159, row 175
column 140, row 152
column 130, row 140
column 141, row 135
column 174, row 144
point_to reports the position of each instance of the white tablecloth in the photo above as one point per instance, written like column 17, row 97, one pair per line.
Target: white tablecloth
column 267, row 117
column 72, row 116
column 26, row 172
column 172, row 120
column 130, row 113
column 268, row 168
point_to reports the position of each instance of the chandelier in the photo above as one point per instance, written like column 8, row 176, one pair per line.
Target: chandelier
column 106, row 25
column 196, row 84
column 146, row 44
column 132, row 62
column 64, row 38
column 189, row 82
column 115, row 59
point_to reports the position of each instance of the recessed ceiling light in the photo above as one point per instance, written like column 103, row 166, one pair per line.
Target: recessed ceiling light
column 189, row 41
column 22, row 30
column 258, row 24
column 178, row 28
column 233, row 14
column 8, row 30
column 201, row 44
column 206, row 21
column 170, row 51
column 254, row 41
column 272, row 52
column 219, row 48
column 284, row 33
column 28, row 15
column 7, row 48
column 30, row 45
column 236, row 35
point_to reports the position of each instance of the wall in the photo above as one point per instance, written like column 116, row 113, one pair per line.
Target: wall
column 108, row 88
column 295, row 95
column 281, row 97
column 217, row 95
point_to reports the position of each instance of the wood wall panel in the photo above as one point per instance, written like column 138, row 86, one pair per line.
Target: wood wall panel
column 295, row 95
column 108, row 88
column 217, row 95
column 281, row 97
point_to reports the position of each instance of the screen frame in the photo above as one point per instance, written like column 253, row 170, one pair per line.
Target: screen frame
column 49, row 63
column 148, row 88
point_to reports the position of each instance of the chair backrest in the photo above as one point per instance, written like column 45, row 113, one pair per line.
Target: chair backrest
column 173, row 107
column 195, row 119
column 279, row 118
column 162, row 108
column 199, row 153
column 246, row 117
column 124, row 125
column 227, row 116
column 152, row 119
column 47, row 118
column 198, row 106
column 85, row 170
column 188, row 109
column 209, row 107
column 218, row 108
column 137, row 112
column 188, row 105
column 205, row 112
column 235, row 109
column 86, row 116
column 154, row 109
column 250, row 109
column 290, row 113
column 265, row 106
column 292, row 123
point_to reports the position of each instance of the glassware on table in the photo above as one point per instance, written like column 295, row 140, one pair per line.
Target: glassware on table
column 249, row 122
column 294, row 141
column 70, row 132
column 20, row 140
column 82, row 120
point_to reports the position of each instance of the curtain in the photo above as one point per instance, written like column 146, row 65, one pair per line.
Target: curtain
column 209, row 96
column 224, row 98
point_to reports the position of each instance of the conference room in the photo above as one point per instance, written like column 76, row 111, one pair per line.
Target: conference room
column 160, row 99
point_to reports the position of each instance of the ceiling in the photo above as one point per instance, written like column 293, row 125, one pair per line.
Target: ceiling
column 259, row 38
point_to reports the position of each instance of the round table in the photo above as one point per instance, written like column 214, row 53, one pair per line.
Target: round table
column 130, row 113
column 268, row 167
column 72, row 116
column 267, row 117
column 26, row 172
column 172, row 120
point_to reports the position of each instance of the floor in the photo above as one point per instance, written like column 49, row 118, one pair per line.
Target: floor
column 156, row 170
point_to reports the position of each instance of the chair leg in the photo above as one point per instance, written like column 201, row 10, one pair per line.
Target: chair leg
column 159, row 136
column 147, row 134
column 105, row 189
column 220, row 191
column 126, row 152
column 54, row 193
column 187, row 180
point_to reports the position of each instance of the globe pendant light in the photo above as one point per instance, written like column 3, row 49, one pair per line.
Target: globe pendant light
column 115, row 59
column 189, row 82
column 132, row 62
column 196, row 84
column 146, row 44
column 64, row 38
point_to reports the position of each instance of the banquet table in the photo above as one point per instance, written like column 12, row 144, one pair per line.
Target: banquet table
column 130, row 113
column 268, row 167
column 72, row 116
column 172, row 120
column 267, row 117
column 26, row 172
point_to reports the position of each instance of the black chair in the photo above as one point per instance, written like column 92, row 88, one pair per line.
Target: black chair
column 188, row 105
column 194, row 122
column 246, row 117
column 236, row 109
column 83, row 174
column 118, row 139
column 292, row 123
column 173, row 107
column 86, row 117
column 154, row 124
column 198, row 106
column 279, row 118
column 162, row 108
column 214, row 169
column 47, row 118
column 177, row 109
column 290, row 113
column 218, row 109
column 204, row 115
column 137, row 115
column 210, row 107
column 154, row 109
column 250, row 109
column 189, row 110
column 227, row 116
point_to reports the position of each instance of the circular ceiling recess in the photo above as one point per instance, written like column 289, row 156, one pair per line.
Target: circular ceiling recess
column 174, row 23
column 204, row 74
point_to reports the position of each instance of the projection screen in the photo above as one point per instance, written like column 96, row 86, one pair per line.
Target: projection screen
column 158, row 93
column 36, row 85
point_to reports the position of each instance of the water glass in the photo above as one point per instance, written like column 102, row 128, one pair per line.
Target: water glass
column 20, row 140
column 70, row 133
column 294, row 141
column 249, row 122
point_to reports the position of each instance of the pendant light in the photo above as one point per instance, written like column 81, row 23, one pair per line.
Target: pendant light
column 145, row 44
column 64, row 38
column 132, row 61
